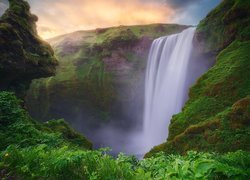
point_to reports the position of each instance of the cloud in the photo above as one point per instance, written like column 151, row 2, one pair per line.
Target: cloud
column 64, row 16
column 192, row 11
column 45, row 31
column 182, row 3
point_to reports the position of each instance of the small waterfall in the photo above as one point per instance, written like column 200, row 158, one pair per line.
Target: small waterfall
column 165, row 86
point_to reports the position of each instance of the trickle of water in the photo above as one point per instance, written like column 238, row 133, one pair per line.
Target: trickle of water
column 165, row 87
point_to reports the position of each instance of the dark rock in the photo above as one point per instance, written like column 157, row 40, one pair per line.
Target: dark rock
column 23, row 54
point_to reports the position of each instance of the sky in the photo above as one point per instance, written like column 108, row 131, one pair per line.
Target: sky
column 58, row 17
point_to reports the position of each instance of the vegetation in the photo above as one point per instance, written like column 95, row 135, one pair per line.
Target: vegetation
column 18, row 128
column 215, row 119
column 137, row 31
column 44, row 162
column 31, row 150
column 227, row 22
column 209, row 121
column 24, row 56
column 96, row 71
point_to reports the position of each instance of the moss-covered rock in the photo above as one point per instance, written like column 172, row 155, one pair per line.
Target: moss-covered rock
column 216, row 117
column 227, row 22
column 23, row 55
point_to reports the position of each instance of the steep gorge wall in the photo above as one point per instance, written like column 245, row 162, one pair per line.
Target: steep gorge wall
column 217, row 115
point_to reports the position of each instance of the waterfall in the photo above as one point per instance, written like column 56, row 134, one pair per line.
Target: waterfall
column 165, row 84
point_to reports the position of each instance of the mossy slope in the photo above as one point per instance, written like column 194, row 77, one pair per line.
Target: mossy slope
column 23, row 55
column 210, row 120
column 18, row 128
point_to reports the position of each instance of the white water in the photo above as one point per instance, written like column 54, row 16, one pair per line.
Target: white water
column 166, row 86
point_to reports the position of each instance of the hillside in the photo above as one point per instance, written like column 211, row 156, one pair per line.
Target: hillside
column 100, row 77
column 217, row 115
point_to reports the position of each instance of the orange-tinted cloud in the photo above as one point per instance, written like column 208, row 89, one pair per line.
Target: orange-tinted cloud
column 64, row 16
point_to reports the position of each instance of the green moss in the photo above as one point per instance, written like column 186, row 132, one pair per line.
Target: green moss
column 138, row 31
column 230, row 20
column 227, row 131
column 209, row 121
column 211, row 93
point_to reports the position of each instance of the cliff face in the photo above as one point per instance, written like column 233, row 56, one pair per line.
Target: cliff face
column 100, row 76
column 23, row 55
column 217, row 115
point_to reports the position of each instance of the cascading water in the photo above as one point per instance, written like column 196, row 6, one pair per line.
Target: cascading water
column 165, row 88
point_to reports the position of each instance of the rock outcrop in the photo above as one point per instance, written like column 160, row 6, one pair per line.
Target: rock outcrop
column 23, row 54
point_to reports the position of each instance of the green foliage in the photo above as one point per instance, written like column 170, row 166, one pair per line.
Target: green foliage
column 198, row 166
column 44, row 162
column 16, row 127
column 30, row 150
column 10, row 111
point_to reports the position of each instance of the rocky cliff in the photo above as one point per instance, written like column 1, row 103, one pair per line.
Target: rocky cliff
column 23, row 55
column 217, row 115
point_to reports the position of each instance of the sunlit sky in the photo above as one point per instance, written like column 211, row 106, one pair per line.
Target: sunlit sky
column 58, row 17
